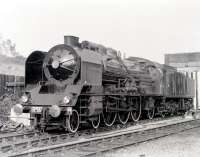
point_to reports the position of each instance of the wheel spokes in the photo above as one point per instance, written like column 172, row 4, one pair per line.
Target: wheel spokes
column 109, row 118
column 96, row 122
column 123, row 117
column 162, row 114
column 150, row 113
column 73, row 121
column 136, row 113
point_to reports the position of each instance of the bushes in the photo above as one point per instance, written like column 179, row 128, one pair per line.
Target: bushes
column 6, row 103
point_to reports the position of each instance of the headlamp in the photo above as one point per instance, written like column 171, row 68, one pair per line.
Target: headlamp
column 24, row 98
column 66, row 99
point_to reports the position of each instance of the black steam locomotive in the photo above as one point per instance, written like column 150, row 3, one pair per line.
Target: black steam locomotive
column 77, row 83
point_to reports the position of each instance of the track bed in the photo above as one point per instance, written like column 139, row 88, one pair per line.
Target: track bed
column 104, row 141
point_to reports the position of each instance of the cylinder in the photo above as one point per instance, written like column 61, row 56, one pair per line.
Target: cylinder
column 71, row 41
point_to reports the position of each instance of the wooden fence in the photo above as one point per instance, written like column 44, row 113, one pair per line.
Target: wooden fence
column 10, row 84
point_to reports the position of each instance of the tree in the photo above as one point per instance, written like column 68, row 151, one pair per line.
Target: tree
column 8, row 48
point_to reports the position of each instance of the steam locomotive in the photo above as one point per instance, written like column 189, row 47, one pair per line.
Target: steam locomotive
column 84, row 83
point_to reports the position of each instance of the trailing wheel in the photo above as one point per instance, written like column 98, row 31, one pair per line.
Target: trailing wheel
column 151, row 112
column 150, row 107
column 73, row 122
column 136, row 113
column 95, row 121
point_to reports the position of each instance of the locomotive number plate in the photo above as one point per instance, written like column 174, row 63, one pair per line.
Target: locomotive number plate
column 36, row 109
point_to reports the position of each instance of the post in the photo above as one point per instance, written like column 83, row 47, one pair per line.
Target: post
column 197, row 100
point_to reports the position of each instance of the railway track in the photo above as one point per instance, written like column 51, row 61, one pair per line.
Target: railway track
column 7, row 138
column 12, row 142
column 105, row 141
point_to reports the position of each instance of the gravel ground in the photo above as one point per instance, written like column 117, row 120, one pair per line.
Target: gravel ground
column 185, row 144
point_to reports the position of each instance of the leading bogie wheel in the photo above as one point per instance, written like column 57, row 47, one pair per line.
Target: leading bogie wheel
column 73, row 122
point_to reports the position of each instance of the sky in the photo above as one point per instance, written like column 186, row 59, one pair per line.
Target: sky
column 142, row 28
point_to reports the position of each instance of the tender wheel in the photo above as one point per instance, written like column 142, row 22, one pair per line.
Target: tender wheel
column 135, row 114
column 73, row 122
column 95, row 122
column 150, row 113
column 163, row 114
column 109, row 117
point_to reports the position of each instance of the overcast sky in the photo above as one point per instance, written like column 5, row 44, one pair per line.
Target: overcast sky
column 144, row 28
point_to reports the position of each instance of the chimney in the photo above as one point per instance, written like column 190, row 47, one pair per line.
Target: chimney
column 71, row 41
